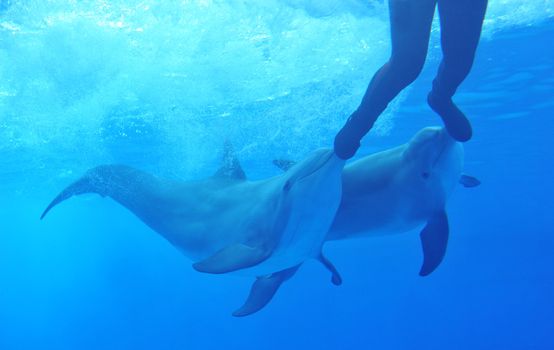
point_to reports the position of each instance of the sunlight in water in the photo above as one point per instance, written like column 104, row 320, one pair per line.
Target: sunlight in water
column 179, row 77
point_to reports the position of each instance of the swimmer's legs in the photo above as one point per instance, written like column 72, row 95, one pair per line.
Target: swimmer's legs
column 410, row 28
column 461, row 22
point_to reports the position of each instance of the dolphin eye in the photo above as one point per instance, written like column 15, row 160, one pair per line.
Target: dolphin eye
column 287, row 186
column 425, row 175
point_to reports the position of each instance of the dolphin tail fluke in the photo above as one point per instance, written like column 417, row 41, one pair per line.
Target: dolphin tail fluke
column 434, row 239
column 106, row 180
column 83, row 185
column 231, row 258
column 263, row 290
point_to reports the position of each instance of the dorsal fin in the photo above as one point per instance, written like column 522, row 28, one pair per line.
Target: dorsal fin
column 231, row 168
column 284, row 164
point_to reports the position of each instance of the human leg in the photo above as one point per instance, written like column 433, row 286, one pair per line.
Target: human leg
column 461, row 23
column 410, row 29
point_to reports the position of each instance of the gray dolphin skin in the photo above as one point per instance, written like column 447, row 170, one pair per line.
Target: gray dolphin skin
column 400, row 189
column 392, row 192
column 268, row 228
column 226, row 223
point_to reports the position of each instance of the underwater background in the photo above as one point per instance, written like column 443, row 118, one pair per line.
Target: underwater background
column 160, row 86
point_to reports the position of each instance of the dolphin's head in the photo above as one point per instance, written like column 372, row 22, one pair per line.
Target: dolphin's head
column 435, row 160
column 310, row 193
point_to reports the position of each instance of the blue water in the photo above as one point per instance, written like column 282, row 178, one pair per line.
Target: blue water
column 159, row 86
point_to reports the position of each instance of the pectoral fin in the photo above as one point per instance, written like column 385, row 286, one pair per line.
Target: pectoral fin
column 469, row 181
column 434, row 239
column 231, row 258
column 263, row 290
column 336, row 279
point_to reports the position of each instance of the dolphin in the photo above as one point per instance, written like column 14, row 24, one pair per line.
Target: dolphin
column 227, row 223
column 391, row 192
column 403, row 188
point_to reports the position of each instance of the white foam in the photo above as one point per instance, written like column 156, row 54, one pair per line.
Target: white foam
column 280, row 75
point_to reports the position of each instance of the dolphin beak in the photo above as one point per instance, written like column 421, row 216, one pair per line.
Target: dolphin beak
column 329, row 160
column 446, row 143
column 323, row 159
column 316, row 165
